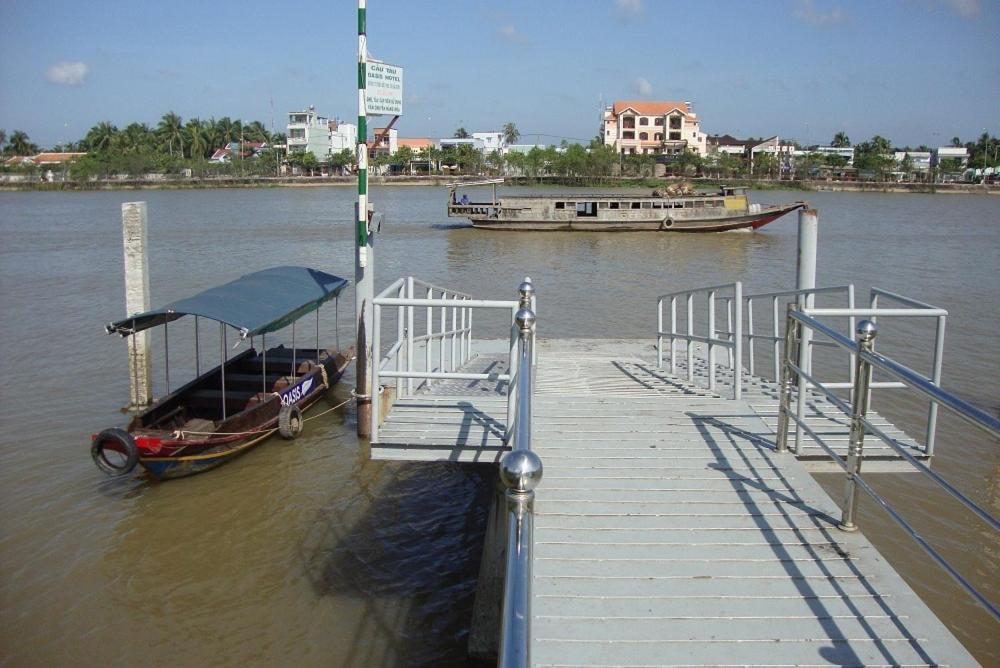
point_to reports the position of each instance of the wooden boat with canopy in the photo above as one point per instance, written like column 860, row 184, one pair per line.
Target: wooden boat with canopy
column 674, row 209
column 245, row 399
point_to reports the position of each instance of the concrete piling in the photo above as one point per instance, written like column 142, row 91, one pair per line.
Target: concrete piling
column 134, row 223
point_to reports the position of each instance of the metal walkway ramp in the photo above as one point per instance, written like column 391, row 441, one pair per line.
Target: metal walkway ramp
column 668, row 531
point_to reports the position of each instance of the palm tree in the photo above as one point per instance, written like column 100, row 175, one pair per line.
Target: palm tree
column 171, row 131
column 841, row 140
column 21, row 145
column 461, row 133
column 511, row 133
column 100, row 136
column 227, row 130
column 3, row 140
column 135, row 138
column 197, row 140
column 255, row 131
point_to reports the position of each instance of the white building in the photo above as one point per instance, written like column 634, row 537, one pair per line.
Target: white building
column 308, row 131
column 492, row 141
column 477, row 144
column 920, row 160
column 658, row 128
column 959, row 153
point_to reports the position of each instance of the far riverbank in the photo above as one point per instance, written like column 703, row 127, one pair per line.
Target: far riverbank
column 163, row 183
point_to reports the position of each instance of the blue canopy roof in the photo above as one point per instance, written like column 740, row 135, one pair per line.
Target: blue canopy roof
column 261, row 302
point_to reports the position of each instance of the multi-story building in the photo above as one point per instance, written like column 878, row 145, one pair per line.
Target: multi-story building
column 657, row 128
column 383, row 142
column 308, row 131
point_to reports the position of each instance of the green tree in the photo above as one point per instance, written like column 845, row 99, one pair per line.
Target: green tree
column 342, row 159
column 135, row 139
column 21, row 145
column 956, row 142
column 403, row 157
column 3, row 142
column 841, row 140
column 256, row 132
column 511, row 133
column 100, row 137
column 461, row 133
column 196, row 139
column 171, row 132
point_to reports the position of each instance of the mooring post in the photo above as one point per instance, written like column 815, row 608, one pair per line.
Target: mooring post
column 805, row 280
column 859, row 407
column 134, row 221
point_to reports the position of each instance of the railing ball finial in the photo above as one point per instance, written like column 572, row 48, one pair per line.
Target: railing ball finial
column 525, row 320
column 867, row 331
column 521, row 471
column 526, row 290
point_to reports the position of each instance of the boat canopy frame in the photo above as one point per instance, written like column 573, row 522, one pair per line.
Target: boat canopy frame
column 257, row 303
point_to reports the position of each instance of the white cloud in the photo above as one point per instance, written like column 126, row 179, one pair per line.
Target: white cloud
column 643, row 87
column 510, row 33
column 630, row 7
column 67, row 74
column 806, row 10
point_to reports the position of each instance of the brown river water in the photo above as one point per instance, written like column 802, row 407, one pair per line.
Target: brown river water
column 308, row 554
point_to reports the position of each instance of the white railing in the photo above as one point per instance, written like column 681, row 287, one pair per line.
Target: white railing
column 447, row 341
column 868, row 360
column 731, row 338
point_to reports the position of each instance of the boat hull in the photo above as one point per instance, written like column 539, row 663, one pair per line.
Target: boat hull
column 748, row 221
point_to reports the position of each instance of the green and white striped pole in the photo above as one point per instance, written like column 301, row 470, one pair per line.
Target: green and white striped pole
column 364, row 262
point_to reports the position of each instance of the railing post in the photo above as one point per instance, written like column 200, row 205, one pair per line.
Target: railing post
column 429, row 345
column 673, row 331
column 711, row 337
column 774, row 333
column 444, row 328
column 409, row 335
column 527, row 300
column 785, row 378
column 520, row 472
column 730, row 332
column 738, row 343
column 936, row 379
column 659, row 333
column 400, row 337
column 750, row 338
column 690, row 333
column 859, row 406
column 376, row 399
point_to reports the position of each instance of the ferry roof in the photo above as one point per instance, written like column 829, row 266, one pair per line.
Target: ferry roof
column 261, row 302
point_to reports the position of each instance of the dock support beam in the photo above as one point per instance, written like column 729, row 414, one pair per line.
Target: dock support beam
column 805, row 279
column 134, row 223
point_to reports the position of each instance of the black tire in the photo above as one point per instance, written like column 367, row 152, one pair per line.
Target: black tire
column 290, row 422
column 119, row 441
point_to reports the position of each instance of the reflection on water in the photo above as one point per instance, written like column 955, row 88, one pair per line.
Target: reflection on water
column 306, row 553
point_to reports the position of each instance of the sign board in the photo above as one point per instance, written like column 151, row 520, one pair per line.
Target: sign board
column 384, row 89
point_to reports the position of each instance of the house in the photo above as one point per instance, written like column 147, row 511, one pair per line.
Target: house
column 842, row 151
column 959, row 153
column 384, row 141
column 657, row 128
column 492, row 141
column 247, row 149
column 308, row 131
column 43, row 159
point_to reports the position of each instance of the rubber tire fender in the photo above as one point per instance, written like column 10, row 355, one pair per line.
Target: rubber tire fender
column 290, row 421
column 122, row 438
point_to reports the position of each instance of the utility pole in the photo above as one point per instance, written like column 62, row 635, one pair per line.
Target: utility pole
column 364, row 262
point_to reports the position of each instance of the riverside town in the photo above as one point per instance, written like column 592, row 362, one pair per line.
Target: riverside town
column 635, row 139
column 575, row 333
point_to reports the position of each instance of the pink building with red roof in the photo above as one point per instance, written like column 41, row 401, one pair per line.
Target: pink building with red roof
column 657, row 128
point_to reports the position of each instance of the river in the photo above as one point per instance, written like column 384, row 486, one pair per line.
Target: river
column 308, row 554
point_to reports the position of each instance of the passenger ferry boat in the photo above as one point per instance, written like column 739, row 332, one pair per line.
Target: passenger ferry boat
column 728, row 209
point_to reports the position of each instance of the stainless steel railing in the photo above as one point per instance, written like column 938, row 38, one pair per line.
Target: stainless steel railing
column 447, row 345
column 866, row 361
column 731, row 338
column 520, row 472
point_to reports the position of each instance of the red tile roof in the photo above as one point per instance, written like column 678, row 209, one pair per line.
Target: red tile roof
column 647, row 108
column 415, row 142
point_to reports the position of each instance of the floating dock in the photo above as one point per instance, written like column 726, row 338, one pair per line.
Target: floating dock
column 669, row 530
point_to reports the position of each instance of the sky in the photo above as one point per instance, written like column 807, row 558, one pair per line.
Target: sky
column 915, row 71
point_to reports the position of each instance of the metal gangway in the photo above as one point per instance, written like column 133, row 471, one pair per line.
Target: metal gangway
column 677, row 521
